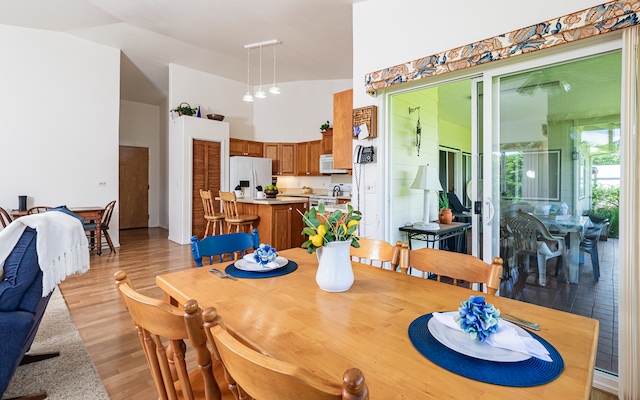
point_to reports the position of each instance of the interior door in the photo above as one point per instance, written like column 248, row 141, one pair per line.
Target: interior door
column 134, row 187
column 206, row 176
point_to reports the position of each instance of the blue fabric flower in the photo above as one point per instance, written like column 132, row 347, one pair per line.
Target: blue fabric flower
column 265, row 254
column 477, row 318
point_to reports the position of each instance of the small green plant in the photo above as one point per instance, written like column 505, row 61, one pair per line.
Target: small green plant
column 324, row 126
column 444, row 201
column 184, row 109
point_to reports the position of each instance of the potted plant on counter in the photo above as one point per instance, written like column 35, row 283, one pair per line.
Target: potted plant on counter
column 324, row 127
column 445, row 216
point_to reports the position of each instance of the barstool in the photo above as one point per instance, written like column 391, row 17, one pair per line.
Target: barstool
column 231, row 215
column 210, row 215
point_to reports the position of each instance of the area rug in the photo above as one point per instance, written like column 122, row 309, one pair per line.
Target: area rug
column 72, row 375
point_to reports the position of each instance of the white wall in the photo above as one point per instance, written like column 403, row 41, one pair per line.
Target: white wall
column 375, row 49
column 140, row 127
column 214, row 95
column 295, row 115
column 182, row 132
column 59, row 112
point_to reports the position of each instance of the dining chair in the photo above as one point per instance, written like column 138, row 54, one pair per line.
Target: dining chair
column 104, row 227
column 37, row 209
column 212, row 217
column 531, row 238
column 457, row 266
column 163, row 329
column 377, row 253
column 236, row 243
column 5, row 218
column 231, row 215
column 589, row 244
column 266, row 378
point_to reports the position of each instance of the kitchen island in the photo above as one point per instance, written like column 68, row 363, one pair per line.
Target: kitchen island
column 280, row 223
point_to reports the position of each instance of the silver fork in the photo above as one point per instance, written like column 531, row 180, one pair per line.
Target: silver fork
column 520, row 321
column 222, row 274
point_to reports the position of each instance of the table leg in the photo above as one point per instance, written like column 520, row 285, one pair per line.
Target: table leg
column 99, row 236
column 574, row 257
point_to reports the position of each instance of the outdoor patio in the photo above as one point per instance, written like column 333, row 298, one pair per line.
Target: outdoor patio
column 587, row 298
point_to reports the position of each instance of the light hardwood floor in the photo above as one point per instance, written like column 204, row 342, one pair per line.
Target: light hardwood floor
column 104, row 324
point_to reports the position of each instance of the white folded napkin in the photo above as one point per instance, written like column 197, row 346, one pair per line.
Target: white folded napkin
column 251, row 258
column 505, row 337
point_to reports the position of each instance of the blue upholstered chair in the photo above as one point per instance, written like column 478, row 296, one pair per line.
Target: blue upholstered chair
column 219, row 245
column 21, row 307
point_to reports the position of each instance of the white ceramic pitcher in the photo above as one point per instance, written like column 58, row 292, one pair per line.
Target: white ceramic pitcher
column 335, row 273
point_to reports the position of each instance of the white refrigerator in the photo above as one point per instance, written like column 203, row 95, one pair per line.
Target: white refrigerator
column 249, row 172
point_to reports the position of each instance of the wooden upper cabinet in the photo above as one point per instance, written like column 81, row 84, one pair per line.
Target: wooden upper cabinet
column 239, row 147
column 327, row 142
column 308, row 158
column 283, row 156
column 342, row 129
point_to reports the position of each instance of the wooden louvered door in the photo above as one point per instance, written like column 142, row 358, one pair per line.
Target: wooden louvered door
column 206, row 176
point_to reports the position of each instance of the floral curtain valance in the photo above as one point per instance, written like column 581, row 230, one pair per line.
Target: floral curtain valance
column 584, row 24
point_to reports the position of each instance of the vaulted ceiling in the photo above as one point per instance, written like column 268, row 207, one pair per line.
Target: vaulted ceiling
column 207, row 35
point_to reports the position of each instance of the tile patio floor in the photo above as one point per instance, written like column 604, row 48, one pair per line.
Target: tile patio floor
column 587, row 298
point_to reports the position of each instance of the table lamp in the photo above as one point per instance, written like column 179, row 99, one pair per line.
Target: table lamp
column 426, row 179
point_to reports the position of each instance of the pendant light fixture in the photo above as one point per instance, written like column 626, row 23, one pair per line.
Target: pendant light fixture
column 260, row 93
column 248, row 97
column 274, row 89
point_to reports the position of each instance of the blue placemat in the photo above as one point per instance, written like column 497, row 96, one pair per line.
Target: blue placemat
column 531, row 372
column 238, row 273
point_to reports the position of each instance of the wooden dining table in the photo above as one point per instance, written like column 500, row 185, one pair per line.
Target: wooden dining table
column 92, row 213
column 289, row 318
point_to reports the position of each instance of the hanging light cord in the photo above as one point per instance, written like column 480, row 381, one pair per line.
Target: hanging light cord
column 248, row 64
column 274, row 65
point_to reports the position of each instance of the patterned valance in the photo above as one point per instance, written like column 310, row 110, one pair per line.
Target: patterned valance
column 584, row 24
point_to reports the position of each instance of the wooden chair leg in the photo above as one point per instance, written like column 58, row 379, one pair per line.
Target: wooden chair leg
column 206, row 229
column 109, row 242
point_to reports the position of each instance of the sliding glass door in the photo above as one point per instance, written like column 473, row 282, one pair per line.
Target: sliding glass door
column 554, row 155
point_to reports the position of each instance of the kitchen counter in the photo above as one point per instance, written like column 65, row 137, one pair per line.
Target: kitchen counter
column 277, row 201
column 314, row 195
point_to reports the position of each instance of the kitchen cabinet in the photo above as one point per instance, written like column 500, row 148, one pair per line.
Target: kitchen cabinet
column 308, row 158
column 283, row 156
column 327, row 142
column 342, row 129
column 279, row 225
column 239, row 147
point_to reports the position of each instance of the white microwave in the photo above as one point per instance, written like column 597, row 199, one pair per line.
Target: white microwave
column 326, row 165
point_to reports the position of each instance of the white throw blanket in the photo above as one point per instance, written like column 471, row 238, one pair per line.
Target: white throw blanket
column 506, row 337
column 62, row 246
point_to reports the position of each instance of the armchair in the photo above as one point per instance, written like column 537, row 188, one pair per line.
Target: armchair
column 457, row 209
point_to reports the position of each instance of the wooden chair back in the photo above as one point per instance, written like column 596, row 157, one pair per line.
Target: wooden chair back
column 229, row 206
column 162, row 329
column 108, row 212
column 457, row 266
column 231, row 215
column 210, row 215
column 219, row 245
column 266, row 378
column 5, row 218
column 378, row 253
column 37, row 209
column 208, row 203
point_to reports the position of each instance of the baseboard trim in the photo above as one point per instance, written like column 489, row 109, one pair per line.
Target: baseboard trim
column 605, row 382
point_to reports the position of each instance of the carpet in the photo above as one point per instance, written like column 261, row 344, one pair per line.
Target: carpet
column 72, row 375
